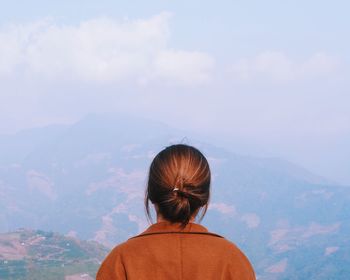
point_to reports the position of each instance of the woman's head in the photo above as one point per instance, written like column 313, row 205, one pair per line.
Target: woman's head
column 178, row 183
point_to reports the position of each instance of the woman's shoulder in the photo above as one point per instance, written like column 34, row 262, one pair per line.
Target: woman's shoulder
column 227, row 247
column 206, row 239
column 238, row 259
column 161, row 236
column 219, row 246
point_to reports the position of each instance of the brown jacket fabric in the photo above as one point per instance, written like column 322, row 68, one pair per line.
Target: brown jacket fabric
column 166, row 252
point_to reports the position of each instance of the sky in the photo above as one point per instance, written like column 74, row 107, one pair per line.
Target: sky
column 264, row 78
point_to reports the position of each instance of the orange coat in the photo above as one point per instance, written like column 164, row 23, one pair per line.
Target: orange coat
column 165, row 252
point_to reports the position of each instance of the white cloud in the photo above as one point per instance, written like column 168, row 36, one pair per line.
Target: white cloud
column 252, row 220
column 330, row 250
column 223, row 208
column 278, row 267
column 287, row 238
column 273, row 66
column 316, row 229
column 102, row 50
column 188, row 68
column 319, row 65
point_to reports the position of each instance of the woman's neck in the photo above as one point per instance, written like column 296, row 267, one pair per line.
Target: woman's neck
column 161, row 219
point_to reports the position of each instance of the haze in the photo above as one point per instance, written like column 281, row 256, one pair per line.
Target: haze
column 265, row 78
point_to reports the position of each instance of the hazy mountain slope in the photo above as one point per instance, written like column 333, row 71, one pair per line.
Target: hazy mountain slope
column 15, row 147
column 89, row 179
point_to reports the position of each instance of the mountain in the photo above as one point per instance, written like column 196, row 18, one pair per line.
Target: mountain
column 37, row 254
column 88, row 180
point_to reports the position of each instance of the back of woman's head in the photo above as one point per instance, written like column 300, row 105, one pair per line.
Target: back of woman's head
column 178, row 183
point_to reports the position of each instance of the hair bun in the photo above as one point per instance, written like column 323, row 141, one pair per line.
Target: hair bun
column 183, row 193
column 178, row 183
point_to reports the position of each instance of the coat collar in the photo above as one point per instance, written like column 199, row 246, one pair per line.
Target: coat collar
column 168, row 227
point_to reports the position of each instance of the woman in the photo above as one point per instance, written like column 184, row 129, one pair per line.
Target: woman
column 176, row 247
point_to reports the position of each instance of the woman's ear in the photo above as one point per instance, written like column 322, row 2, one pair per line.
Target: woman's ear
column 156, row 207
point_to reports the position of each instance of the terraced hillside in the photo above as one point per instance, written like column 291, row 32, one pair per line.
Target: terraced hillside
column 35, row 254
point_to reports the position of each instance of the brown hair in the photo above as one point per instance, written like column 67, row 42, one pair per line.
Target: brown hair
column 185, row 168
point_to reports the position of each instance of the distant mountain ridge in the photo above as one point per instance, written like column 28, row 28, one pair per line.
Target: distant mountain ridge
column 88, row 180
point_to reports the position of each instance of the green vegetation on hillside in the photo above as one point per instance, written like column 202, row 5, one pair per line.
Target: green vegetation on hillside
column 35, row 254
